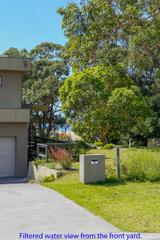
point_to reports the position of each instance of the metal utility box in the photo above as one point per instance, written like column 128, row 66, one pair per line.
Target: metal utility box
column 92, row 168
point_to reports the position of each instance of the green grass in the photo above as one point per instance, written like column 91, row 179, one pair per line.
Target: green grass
column 129, row 206
column 136, row 164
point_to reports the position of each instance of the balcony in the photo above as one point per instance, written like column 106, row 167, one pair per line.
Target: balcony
column 14, row 64
column 14, row 115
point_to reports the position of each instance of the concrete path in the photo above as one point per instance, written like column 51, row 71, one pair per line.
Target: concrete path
column 32, row 209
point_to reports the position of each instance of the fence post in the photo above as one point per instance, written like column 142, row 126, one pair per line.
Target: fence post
column 118, row 163
column 46, row 152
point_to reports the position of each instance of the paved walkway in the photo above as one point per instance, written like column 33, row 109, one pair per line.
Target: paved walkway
column 30, row 208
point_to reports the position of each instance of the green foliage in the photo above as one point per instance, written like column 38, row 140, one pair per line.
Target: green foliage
column 62, row 157
column 127, row 110
column 82, row 144
column 113, row 32
column 14, row 52
column 99, row 32
column 39, row 162
column 58, row 166
column 90, row 31
column 116, row 32
column 84, row 98
column 50, row 165
column 108, row 146
column 54, row 165
column 142, row 165
column 41, row 85
column 66, row 164
column 99, row 144
column 50, row 178
column 80, row 147
column 136, row 164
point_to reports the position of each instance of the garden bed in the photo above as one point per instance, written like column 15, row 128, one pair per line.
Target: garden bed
column 38, row 173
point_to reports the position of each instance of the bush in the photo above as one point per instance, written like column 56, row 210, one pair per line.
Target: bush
column 66, row 164
column 80, row 147
column 58, row 166
column 39, row 162
column 62, row 157
column 108, row 146
column 141, row 165
column 99, row 144
column 50, row 178
column 82, row 144
column 51, row 165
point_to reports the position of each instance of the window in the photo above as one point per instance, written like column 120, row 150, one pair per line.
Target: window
column 0, row 81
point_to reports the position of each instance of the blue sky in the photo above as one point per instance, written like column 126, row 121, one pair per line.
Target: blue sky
column 26, row 23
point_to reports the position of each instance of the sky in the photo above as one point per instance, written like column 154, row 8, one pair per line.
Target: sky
column 27, row 23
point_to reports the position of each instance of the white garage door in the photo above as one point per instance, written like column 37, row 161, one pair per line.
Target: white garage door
column 7, row 156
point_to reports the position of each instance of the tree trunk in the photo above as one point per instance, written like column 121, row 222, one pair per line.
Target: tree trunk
column 102, row 135
column 130, row 141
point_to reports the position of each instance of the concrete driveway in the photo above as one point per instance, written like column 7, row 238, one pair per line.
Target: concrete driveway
column 32, row 209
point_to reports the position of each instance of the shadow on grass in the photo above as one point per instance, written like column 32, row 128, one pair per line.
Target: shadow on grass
column 110, row 182
column 114, row 182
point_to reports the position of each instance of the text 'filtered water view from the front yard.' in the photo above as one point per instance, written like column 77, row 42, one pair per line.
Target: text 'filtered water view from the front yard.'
column 97, row 94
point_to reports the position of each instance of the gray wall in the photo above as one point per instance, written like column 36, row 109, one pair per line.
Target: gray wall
column 20, row 131
column 15, row 64
column 10, row 91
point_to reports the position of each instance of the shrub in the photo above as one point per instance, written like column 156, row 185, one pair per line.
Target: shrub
column 50, row 178
column 61, row 156
column 54, row 165
column 110, row 169
column 80, row 147
column 108, row 146
column 53, row 153
column 142, row 165
column 99, row 144
column 51, row 165
column 39, row 162
column 58, row 166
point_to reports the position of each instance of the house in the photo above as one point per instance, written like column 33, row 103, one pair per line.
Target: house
column 14, row 120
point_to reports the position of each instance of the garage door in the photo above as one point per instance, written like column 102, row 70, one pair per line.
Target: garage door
column 7, row 156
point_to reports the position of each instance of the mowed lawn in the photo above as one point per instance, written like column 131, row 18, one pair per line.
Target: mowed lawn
column 131, row 206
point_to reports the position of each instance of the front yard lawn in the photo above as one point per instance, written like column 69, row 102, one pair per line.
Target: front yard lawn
column 129, row 206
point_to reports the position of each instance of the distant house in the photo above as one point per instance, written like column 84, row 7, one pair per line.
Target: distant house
column 70, row 135
column 13, row 119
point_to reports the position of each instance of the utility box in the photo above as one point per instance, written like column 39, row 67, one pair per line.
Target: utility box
column 92, row 168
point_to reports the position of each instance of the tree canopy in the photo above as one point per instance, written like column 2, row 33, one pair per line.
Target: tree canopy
column 113, row 51
column 113, row 33
column 100, row 101
column 41, row 85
